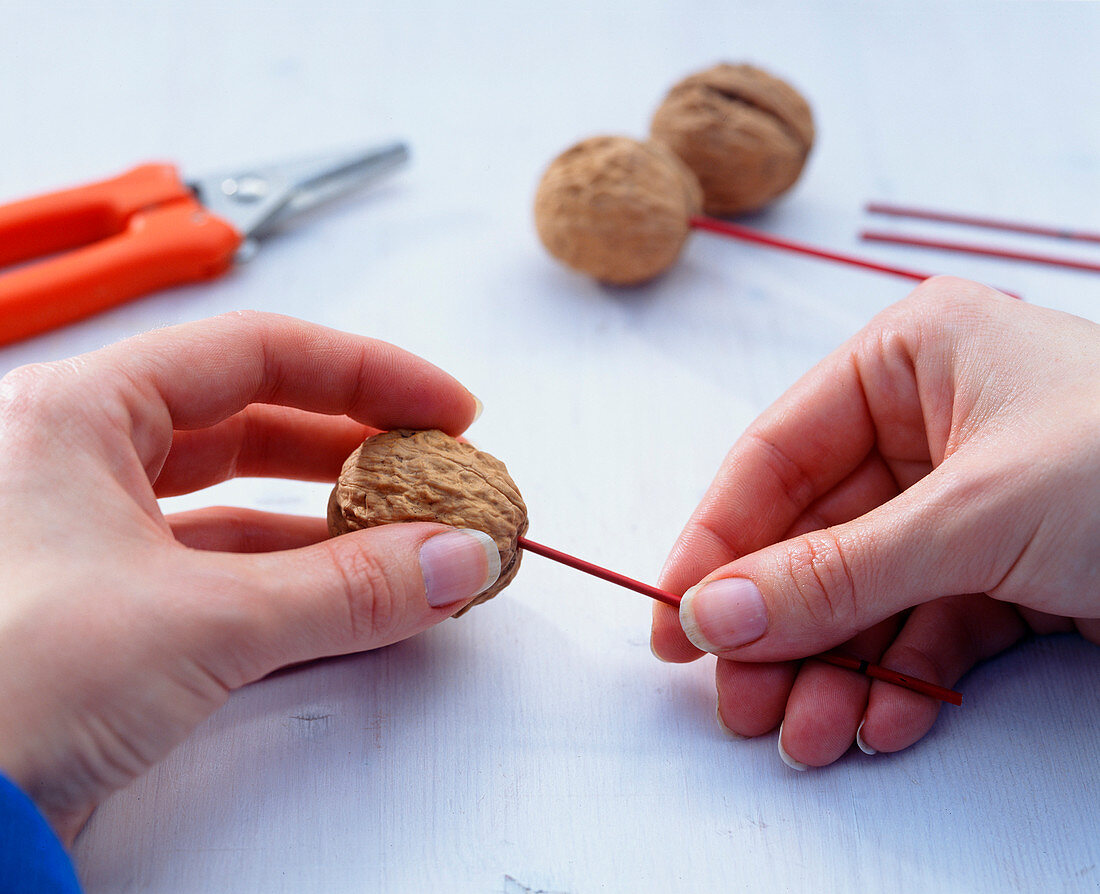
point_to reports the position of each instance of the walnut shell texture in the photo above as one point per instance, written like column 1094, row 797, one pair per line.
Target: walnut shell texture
column 745, row 133
column 616, row 208
column 428, row 476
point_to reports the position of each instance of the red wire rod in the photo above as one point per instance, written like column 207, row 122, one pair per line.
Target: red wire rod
column 614, row 577
column 748, row 234
column 988, row 250
column 858, row 665
column 892, row 676
column 989, row 223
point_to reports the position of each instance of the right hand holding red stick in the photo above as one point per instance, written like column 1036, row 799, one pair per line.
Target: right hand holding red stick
column 927, row 496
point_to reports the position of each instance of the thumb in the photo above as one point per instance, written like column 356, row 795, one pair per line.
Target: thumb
column 355, row 592
column 817, row 590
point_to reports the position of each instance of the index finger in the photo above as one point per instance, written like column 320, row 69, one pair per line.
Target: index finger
column 198, row 374
column 805, row 444
column 864, row 396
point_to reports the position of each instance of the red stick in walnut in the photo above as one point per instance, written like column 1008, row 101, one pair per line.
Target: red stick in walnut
column 747, row 234
column 621, row 211
column 858, row 665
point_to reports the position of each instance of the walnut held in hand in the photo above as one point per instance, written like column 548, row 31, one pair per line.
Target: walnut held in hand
column 745, row 134
column 428, row 476
column 616, row 208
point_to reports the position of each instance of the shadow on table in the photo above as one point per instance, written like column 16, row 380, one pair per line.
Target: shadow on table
column 999, row 796
column 493, row 746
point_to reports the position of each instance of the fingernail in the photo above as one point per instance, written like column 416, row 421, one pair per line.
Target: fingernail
column 787, row 759
column 458, row 565
column 863, row 746
column 479, row 409
column 723, row 614
column 722, row 726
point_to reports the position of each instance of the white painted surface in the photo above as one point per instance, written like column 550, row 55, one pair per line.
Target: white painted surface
column 536, row 744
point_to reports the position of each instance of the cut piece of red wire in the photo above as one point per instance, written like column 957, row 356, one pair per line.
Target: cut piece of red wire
column 981, row 222
column 974, row 249
column 988, row 223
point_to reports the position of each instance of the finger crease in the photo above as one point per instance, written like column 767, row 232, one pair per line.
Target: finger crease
column 348, row 591
column 797, row 485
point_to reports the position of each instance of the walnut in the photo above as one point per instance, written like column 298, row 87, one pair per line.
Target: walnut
column 616, row 209
column 428, row 476
column 745, row 134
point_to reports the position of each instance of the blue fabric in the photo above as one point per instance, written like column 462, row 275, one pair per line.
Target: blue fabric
column 32, row 858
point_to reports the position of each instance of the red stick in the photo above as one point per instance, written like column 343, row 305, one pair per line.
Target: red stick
column 988, row 223
column 891, row 676
column 969, row 248
column 747, row 234
column 611, row 576
column 671, row 599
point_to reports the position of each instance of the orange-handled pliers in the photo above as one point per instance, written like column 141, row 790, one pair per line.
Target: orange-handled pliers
column 147, row 229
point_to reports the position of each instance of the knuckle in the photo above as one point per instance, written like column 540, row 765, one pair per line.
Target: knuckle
column 951, row 298
column 920, row 662
column 368, row 590
column 794, row 480
column 250, row 324
column 940, row 286
column 944, row 291
column 36, row 396
column 24, row 389
column 946, row 311
column 822, row 579
column 245, row 328
column 247, row 318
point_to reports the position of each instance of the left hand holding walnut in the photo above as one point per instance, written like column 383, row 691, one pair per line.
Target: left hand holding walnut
column 120, row 628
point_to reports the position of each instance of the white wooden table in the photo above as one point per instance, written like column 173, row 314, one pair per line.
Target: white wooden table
column 535, row 744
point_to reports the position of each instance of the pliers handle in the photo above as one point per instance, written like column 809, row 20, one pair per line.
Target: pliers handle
column 103, row 244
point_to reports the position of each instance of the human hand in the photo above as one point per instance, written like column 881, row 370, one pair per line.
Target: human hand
column 121, row 629
column 927, row 496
